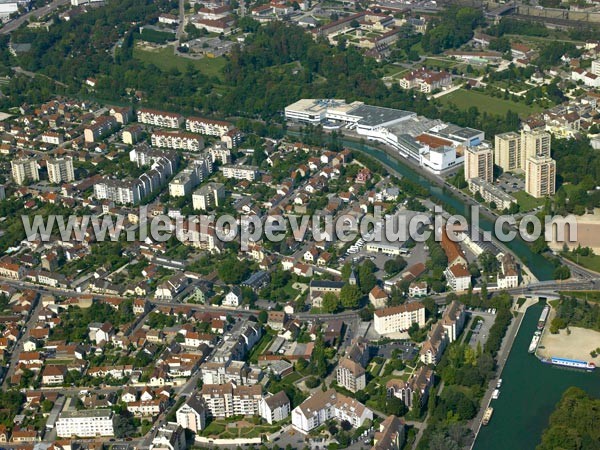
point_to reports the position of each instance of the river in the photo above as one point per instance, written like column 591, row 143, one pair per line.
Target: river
column 537, row 264
column 529, row 393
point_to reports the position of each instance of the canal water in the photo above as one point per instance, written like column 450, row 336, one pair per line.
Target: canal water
column 540, row 267
column 529, row 393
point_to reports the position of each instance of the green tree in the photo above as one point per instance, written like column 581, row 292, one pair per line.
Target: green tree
column 331, row 303
column 350, row 296
column 263, row 316
column 366, row 277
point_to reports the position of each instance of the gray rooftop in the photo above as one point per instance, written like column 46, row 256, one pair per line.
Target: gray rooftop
column 375, row 115
column 87, row 413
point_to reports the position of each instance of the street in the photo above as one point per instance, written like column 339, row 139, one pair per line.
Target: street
column 34, row 14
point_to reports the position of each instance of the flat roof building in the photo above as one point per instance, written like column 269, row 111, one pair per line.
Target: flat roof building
column 85, row 423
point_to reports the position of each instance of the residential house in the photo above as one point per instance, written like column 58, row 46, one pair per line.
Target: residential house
column 274, row 408
column 233, row 298
column 378, row 297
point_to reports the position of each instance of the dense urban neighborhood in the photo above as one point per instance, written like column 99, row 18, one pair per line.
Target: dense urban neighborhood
column 299, row 224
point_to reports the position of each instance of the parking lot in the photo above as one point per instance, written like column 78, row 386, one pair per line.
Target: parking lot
column 510, row 183
column 482, row 330
column 407, row 350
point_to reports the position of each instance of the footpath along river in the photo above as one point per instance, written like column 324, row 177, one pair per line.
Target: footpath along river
column 529, row 393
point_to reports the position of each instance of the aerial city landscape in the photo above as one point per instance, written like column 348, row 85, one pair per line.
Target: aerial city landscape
column 299, row 224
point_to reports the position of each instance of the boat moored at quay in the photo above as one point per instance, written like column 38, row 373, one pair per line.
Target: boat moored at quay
column 570, row 363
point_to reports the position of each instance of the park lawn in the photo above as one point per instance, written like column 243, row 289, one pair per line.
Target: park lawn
column 526, row 201
column 214, row 429
column 165, row 59
column 464, row 99
column 375, row 369
column 592, row 296
column 589, row 262
column 230, row 430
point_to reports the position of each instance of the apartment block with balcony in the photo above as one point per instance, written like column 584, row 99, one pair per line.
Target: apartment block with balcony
column 398, row 318
column 351, row 375
column 479, row 162
column 60, row 170
column 24, row 170
column 208, row 127
column 540, row 176
column 159, row 118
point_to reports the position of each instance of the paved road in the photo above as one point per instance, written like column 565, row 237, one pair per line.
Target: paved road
column 33, row 75
column 180, row 27
column 36, row 13
column 18, row 347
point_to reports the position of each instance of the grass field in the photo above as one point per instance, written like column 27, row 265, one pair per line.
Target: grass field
column 592, row 296
column 589, row 262
column 526, row 201
column 165, row 59
column 464, row 99
column 224, row 429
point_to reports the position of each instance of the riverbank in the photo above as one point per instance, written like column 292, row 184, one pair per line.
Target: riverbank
column 577, row 343
column 529, row 393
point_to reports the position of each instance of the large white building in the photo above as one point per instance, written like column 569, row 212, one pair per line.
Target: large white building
column 323, row 406
column 398, row 318
column 396, row 128
column 85, row 423
column 60, row 170
column 226, row 400
column 159, row 118
column 589, row 78
column 162, row 166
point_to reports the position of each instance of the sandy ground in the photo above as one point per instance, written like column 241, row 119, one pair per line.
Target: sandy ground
column 576, row 345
